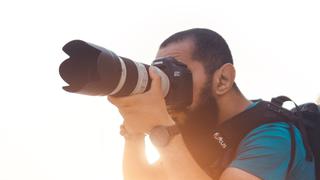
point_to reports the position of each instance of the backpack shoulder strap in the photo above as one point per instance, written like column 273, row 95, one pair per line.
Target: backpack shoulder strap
column 296, row 116
column 231, row 132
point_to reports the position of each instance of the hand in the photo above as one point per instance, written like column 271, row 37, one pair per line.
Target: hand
column 142, row 112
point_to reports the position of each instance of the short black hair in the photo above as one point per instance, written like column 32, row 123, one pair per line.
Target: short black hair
column 210, row 48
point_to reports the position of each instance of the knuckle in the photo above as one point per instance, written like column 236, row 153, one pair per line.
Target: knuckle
column 110, row 99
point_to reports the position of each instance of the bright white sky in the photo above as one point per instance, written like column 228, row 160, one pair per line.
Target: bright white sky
column 48, row 134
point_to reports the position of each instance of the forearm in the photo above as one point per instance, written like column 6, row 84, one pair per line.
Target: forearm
column 178, row 162
column 134, row 160
column 135, row 164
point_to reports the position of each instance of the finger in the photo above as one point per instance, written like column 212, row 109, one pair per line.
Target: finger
column 122, row 101
column 123, row 130
column 110, row 99
column 115, row 101
column 156, row 79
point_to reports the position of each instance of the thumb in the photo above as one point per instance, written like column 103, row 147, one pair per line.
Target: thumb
column 156, row 79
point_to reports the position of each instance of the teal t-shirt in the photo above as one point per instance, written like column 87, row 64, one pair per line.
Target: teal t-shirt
column 265, row 153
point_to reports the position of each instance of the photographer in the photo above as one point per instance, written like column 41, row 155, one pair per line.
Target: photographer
column 264, row 153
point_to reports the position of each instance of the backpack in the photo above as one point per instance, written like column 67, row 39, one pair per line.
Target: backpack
column 228, row 135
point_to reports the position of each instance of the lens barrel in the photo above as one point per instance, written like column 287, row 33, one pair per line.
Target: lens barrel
column 96, row 71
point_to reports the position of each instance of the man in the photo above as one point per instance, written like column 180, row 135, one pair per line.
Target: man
column 263, row 154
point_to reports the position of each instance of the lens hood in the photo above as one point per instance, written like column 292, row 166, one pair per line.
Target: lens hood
column 83, row 70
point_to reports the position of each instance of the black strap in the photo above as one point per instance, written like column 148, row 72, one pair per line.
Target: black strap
column 233, row 130
column 280, row 100
column 293, row 149
column 297, row 119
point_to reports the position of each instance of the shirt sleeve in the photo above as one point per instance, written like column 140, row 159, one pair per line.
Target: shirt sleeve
column 265, row 152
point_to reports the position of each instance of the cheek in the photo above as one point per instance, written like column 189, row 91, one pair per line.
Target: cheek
column 197, row 83
column 198, row 80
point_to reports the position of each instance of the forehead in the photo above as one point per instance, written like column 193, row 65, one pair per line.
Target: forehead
column 181, row 50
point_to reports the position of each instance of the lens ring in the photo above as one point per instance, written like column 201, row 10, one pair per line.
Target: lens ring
column 122, row 78
column 142, row 79
column 165, row 82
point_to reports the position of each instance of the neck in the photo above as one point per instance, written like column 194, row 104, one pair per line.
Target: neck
column 231, row 105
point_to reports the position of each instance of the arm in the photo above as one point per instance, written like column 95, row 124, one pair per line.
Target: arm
column 135, row 165
column 141, row 113
column 179, row 164
column 264, row 152
column 235, row 173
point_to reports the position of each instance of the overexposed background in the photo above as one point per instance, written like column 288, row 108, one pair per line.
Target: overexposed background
column 49, row 134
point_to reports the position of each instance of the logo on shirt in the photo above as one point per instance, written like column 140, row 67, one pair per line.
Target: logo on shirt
column 217, row 136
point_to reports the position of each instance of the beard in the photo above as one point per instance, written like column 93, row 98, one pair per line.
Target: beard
column 205, row 113
column 198, row 124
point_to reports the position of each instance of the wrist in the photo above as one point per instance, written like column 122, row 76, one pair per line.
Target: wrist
column 161, row 136
column 167, row 122
column 130, row 136
column 134, row 137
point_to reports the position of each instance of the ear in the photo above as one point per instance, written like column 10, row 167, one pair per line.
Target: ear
column 224, row 79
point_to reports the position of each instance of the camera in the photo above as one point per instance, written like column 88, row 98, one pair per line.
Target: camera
column 96, row 71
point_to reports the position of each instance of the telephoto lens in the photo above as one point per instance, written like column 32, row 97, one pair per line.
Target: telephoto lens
column 96, row 71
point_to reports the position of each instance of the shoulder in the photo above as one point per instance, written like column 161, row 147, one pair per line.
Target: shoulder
column 265, row 151
column 271, row 139
column 270, row 134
